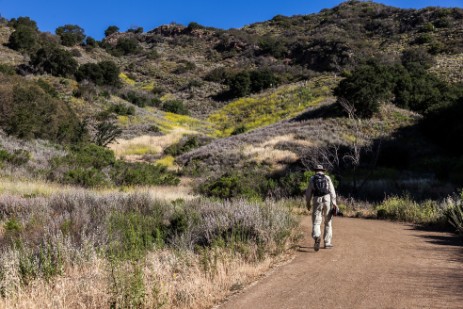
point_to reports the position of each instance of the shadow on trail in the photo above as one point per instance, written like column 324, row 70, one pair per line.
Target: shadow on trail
column 304, row 249
column 455, row 241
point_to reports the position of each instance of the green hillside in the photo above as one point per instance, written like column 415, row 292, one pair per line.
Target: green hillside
column 154, row 96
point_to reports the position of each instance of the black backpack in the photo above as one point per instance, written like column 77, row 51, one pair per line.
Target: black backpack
column 320, row 185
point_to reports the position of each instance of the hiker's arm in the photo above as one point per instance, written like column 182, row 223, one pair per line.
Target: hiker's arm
column 332, row 192
column 308, row 196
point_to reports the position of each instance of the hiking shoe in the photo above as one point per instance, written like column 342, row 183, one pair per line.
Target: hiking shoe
column 317, row 244
column 328, row 246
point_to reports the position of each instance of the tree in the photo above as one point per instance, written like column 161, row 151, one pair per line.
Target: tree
column 125, row 46
column 90, row 42
column 366, row 88
column 23, row 22
column 28, row 111
column 91, row 72
column 135, row 29
column 111, row 30
column 23, row 39
column 70, row 34
column 110, row 73
column 240, row 85
column 54, row 61
column 106, row 132
column 102, row 73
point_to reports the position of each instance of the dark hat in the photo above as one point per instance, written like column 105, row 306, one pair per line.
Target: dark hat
column 319, row 167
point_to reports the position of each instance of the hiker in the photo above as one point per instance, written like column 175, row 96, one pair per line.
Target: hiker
column 321, row 193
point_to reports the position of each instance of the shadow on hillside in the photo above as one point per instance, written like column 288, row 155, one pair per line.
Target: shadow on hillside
column 325, row 111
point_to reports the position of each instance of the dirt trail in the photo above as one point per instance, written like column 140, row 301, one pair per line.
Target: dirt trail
column 374, row 264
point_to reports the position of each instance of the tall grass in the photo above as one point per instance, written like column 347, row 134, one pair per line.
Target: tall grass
column 129, row 250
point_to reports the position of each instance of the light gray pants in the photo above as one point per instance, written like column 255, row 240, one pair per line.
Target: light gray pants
column 322, row 207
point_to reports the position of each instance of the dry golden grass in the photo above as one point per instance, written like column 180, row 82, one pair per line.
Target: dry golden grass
column 266, row 152
column 170, row 280
column 32, row 188
column 134, row 149
column 40, row 188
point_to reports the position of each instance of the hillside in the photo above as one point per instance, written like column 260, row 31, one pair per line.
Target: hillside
column 180, row 87
column 167, row 168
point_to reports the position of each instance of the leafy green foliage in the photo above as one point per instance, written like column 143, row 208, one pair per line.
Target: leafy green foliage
column 17, row 158
column 139, row 98
column 84, row 165
column 106, row 133
column 132, row 174
column 120, row 109
column 366, row 88
column 407, row 210
column 90, row 42
column 125, row 46
column 23, row 39
column 454, row 215
column 102, row 73
column 231, row 185
column 111, row 30
column 185, row 145
column 70, row 35
column 29, row 112
column 244, row 83
column 7, row 69
column 135, row 29
column 175, row 106
column 55, row 61
column 273, row 46
column 23, row 22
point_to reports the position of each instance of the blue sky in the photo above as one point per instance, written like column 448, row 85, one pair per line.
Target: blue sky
column 96, row 15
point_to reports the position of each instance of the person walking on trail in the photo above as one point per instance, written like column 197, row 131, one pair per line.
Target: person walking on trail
column 320, row 193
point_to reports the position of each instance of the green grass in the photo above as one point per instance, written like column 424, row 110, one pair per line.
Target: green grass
column 404, row 209
column 283, row 103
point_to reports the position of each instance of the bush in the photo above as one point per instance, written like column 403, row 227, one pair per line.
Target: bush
column 246, row 82
column 136, row 30
column 111, row 30
column 175, row 106
column 85, row 177
column 272, row 46
column 185, row 145
column 106, row 133
column 406, row 210
column 70, row 35
column 90, row 156
column 54, row 61
column 217, row 75
column 23, row 22
column 454, row 214
column 132, row 174
column 110, row 73
column 121, row 109
column 17, row 158
column 23, row 39
column 7, row 69
column 139, row 99
column 366, row 88
column 125, row 46
column 90, row 42
column 184, row 67
column 249, row 182
column 29, row 112
column 49, row 89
